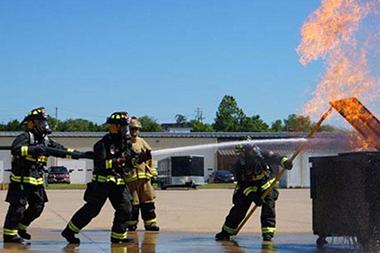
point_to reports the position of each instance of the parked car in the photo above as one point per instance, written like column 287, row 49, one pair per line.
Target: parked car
column 221, row 176
column 58, row 174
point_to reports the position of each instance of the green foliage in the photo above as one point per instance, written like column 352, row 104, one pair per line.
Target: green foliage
column 327, row 128
column 229, row 116
column 75, row 125
column 199, row 126
column 181, row 119
column 277, row 126
column 297, row 123
column 149, row 124
column 80, row 125
column 13, row 125
column 253, row 124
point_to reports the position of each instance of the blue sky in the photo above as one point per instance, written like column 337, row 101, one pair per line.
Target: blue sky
column 155, row 58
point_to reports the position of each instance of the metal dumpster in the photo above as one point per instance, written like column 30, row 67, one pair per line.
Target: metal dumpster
column 345, row 192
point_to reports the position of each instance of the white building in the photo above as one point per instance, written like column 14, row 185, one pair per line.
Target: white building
column 215, row 158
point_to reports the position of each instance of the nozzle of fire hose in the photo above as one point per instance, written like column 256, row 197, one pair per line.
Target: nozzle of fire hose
column 286, row 163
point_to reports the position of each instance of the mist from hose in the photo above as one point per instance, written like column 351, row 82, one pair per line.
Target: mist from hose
column 170, row 151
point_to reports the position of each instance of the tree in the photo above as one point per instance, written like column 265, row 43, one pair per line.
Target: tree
column 229, row 116
column 149, row 124
column 54, row 123
column 327, row 128
column 180, row 119
column 277, row 126
column 253, row 124
column 13, row 125
column 81, row 125
column 198, row 126
column 297, row 123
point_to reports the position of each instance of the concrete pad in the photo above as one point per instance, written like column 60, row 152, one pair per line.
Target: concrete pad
column 188, row 220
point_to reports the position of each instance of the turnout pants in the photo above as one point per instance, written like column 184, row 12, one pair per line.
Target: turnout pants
column 142, row 198
column 95, row 196
column 27, row 202
column 241, row 204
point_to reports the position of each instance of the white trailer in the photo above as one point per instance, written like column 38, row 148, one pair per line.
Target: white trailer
column 181, row 171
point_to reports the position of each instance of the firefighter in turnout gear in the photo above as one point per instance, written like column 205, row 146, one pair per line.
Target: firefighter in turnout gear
column 254, row 174
column 110, row 161
column 139, row 181
column 26, row 194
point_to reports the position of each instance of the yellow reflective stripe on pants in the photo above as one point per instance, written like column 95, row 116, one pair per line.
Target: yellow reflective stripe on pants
column 106, row 179
column 22, row 226
column 24, row 150
column 150, row 222
column 7, row 231
column 132, row 222
column 73, row 227
column 140, row 175
column 109, row 164
column 266, row 230
column 119, row 235
column 28, row 180
column 249, row 189
column 229, row 230
column 267, row 184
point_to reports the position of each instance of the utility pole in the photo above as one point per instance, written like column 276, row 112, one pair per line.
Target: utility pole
column 56, row 118
column 199, row 115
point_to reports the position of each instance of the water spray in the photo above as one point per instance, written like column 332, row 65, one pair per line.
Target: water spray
column 168, row 151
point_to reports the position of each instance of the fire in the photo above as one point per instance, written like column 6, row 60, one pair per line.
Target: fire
column 339, row 33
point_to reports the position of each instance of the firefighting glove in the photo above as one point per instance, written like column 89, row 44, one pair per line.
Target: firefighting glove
column 38, row 149
column 286, row 163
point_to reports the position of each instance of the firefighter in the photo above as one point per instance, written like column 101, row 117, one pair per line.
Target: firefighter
column 110, row 161
column 26, row 194
column 254, row 173
column 139, row 182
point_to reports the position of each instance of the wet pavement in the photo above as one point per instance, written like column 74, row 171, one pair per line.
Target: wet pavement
column 188, row 220
column 151, row 242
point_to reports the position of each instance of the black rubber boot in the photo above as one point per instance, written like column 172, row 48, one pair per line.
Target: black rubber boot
column 23, row 234
column 132, row 228
column 152, row 227
column 222, row 236
column 70, row 236
column 13, row 239
column 126, row 240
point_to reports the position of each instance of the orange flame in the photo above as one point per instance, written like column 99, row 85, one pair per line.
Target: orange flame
column 331, row 33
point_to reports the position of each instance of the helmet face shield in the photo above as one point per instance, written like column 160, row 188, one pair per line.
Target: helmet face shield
column 124, row 132
column 42, row 127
